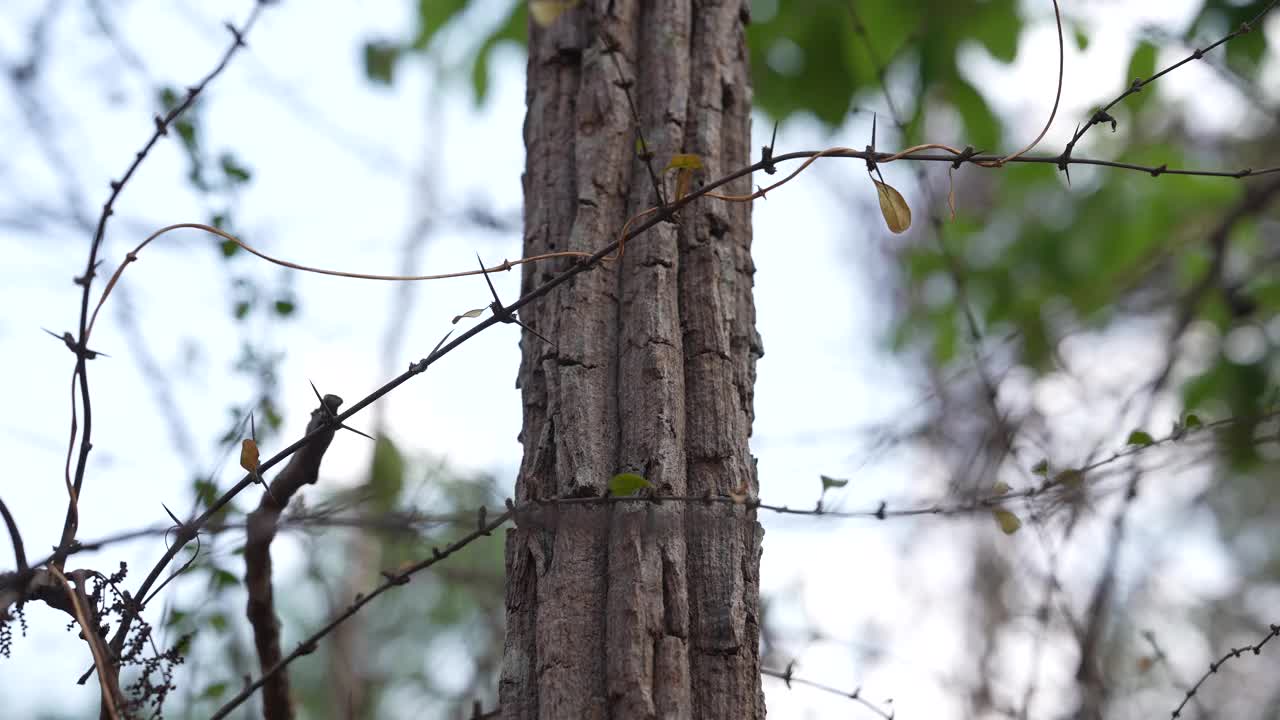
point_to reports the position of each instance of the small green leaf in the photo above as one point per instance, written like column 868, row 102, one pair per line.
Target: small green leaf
column 1142, row 65
column 235, row 172
column 206, row 492
column 271, row 414
column 1082, row 40
column 624, row 484
column 213, row 691
column 242, row 310
column 830, row 482
column 187, row 131
column 285, row 308
column 1008, row 522
column 224, row 578
column 1000, row 488
column 1192, row 422
column 1041, row 468
column 386, row 478
column 1070, row 478
column 168, row 99
column 380, row 59
column 1141, row 438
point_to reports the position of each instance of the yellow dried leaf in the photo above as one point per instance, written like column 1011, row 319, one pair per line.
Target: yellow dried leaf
column 1008, row 522
column 684, row 161
column 545, row 12
column 897, row 214
column 1001, row 487
column 249, row 455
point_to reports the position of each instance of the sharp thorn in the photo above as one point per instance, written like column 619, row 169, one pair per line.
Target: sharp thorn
column 169, row 512
column 362, row 434
column 440, row 344
column 484, row 271
column 314, row 390
column 535, row 332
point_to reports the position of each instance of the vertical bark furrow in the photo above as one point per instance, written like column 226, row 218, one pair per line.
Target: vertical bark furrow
column 719, row 314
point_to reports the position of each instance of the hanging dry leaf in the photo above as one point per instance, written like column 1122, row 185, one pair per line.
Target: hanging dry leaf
column 469, row 314
column 951, row 195
column 684, row 164
column 1008, row 522
column 897, row 214
column 249, row 455
column 683, row 179
column 545, row 12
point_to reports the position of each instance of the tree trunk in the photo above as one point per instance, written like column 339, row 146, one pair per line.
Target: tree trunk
column 636, row 610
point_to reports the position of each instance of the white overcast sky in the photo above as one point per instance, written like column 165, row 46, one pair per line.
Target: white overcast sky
column 332, row 160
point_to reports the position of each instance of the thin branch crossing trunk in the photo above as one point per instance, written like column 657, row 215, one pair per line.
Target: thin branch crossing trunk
column 636, row 610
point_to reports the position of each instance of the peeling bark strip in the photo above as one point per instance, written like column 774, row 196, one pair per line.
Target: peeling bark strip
column 637, row 611
column 303, row 469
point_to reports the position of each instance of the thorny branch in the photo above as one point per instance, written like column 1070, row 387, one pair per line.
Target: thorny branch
column 80, row 346
column 1102, row 115
column 788, row 677
column 1256, row 649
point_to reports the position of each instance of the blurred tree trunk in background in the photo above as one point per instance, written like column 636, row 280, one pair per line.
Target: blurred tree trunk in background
column 636, row 610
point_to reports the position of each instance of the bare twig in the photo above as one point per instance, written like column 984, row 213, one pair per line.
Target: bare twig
column 19, row 552
column 788, row 677
column 1256, row 649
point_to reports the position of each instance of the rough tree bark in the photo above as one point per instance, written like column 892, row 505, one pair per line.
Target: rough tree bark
column 636, row 611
